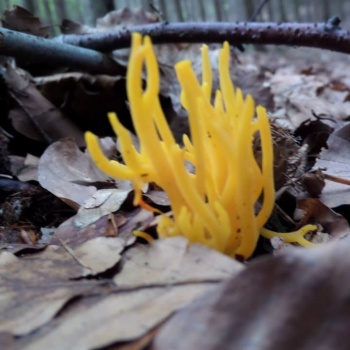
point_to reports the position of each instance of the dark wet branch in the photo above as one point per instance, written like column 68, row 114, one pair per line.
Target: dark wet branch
column 80, row 51
column 33, row 49
column 326, row 35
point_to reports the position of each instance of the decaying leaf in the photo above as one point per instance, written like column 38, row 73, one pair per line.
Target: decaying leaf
column 25, row 168
column 313, row 210
column 156, row 280
column 62, row 166
column 126, row 17
column 95, row 322
column 96, row 285
column 119, row 18
column 74, row 235
column 35, row 288
column 86, row 99
column 120, row 224
column 298, row 300
column 335, row 161
column 158, row 197
column 101, row 203
column 173, row 260
column 36, row 117
column 99, row 254
column 21, row 20
column 297, row 95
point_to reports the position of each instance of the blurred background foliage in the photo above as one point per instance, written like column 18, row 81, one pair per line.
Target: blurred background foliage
column 86, row 11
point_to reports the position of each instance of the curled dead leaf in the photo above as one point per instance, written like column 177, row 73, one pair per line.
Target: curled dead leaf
column 61, row 166
column 335, row 161
column 314, row 211
column 36, row 117
column 21, row 20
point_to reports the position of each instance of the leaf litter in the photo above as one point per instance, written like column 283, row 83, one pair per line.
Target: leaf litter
column 291, row 301
column 94, row 285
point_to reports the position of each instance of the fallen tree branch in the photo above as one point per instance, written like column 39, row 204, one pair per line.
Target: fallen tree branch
column 30, row 48
column 80, row 51
column 326, row 35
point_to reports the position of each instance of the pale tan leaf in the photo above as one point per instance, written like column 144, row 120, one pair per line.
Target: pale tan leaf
column 36, row 117
column 335, row 161
column 101, row 203
column 173, row 260
column 297, row 300
column 34, row 289
column 96, row 322
column 63, row 165
column 25, row 168
column 100, row 254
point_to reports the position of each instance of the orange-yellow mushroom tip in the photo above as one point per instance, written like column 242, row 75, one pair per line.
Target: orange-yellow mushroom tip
column 214, row 203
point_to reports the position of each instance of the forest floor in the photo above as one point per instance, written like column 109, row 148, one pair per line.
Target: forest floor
column 74, row 276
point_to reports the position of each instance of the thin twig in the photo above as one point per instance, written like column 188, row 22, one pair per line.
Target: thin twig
column 337, row 179
column 258, row 10
column 71, row 252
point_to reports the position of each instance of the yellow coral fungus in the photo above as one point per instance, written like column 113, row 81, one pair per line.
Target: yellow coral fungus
column 226, row 201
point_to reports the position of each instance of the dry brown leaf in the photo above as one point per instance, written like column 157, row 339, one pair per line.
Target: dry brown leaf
column 98, row 254
column 120, row 224
column 138, row 344
column 172, row 275
column 35, row 288
column 35, row 112
column 21, row 20
column 101, row 203
column 298, row 300
column 10, row 237
column 296, row 95
column 73, row 235
column 173, row 260
column 75, row 262
column 71, row 27
column 314, row 211
column 335, row 161
column 7, row 340
column 95, row 322
column 125, row 17
column 87, row 98
column 63, row 165
column 120, row 18
column 25, row 168
column 138, row 219
column 17, row 248
column 158, row 197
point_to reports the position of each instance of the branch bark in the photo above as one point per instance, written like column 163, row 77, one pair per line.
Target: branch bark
column 31, row 48
column 326, row 35
column 80, row 51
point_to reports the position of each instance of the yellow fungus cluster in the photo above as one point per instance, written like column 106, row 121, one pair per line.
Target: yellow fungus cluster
column 227, row 199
